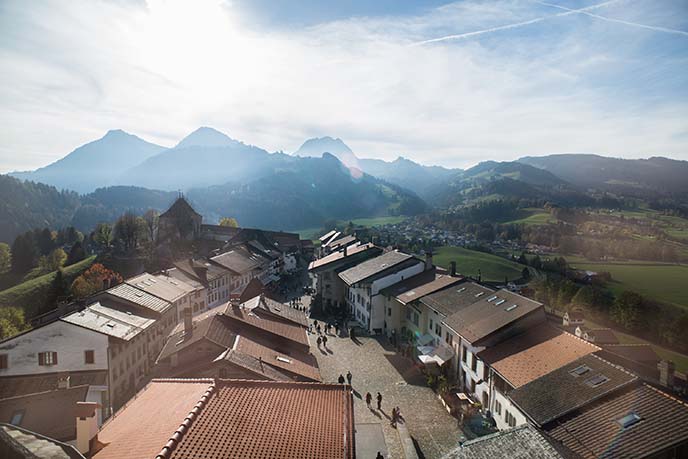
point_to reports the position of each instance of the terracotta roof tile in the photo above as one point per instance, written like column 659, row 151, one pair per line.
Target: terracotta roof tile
column 266, row 419
column 145, row 424
column 535, row 353
column 595, row 431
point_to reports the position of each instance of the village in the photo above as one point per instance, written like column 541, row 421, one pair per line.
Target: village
column 262, row 344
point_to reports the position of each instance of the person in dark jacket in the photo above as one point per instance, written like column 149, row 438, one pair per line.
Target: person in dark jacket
column 341, row 379
column 379, row 400
column 369, row 398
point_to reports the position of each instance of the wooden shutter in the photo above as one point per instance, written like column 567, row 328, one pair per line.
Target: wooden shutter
column 41, row 358
column 3, row 361
column 54, row 358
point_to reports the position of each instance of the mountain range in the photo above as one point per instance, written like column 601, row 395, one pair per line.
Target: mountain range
column 323, row 179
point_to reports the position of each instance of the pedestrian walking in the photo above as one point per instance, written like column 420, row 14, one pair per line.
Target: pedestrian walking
column 341, row 379
column 349, row 376
column 318, row 328
column 379, row 400
column 379, row 455
column 369, row 398
column 319, row 341
column 324, row 340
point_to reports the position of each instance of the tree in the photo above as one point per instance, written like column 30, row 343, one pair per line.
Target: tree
column 59, row 291
column 12, row 321
column 56, row 259
column 525, row 273
column 94, row 279
column 24, row 253
column 128, row 230
column 151, row 217
column 102, row 235
column 76, row 254
column 626, row 310
column 5, row 258
column 45, row 240
column 229, row 221
column 536, row 262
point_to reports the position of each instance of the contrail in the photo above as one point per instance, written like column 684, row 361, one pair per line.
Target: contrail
column 515, row 25
column 619, row 21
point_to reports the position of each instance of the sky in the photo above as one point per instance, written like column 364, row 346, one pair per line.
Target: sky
column 437, row 82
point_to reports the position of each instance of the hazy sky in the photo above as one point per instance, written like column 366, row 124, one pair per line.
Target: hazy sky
column 437, row 82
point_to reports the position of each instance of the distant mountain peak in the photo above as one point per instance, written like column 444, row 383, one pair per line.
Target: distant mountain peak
column 206, row 137
column 318, row 146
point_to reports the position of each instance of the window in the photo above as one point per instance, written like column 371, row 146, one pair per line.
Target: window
column 416, row 318
column 498, row 407
column 4, row 361
column 438, row 329
column 464, row 355
column 509, row 418
column 89, row 357
column 389, row 312
column 430, row 324
column 47, row 358
column 17, row 417
column 579, row 371
column 408, row 313
column 474, row 362
column 597, row 380
column 449, row 338
column 472, row 385
column 629, row 420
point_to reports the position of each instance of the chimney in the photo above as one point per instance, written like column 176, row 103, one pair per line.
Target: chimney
column 666, row 373
column 86, row 426
column 428, row 260
column 452, row 269
column 188, row 322
column 63, row 382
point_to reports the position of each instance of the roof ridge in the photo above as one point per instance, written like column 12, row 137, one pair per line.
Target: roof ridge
column 628, row 344
column 578, row 338
column 44, row 392
column 666, row 394
column 184, row 427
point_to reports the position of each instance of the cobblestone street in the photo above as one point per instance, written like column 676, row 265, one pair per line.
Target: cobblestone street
column 376, row 367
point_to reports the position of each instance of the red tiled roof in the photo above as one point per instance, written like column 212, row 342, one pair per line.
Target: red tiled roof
column 232, row 419
column 145, row 424
column 267, row 419
column 268, row 322
column 535, row 353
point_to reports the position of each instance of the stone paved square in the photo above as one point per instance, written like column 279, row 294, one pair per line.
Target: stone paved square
column 376, row 367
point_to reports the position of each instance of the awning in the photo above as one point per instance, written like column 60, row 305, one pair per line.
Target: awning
column 439, row 354
column 425, row 340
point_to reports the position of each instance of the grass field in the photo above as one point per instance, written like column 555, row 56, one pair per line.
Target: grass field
column 314, row 233
column 535, row 217
column 468, row 262
column 31, row 295
column 664, row 282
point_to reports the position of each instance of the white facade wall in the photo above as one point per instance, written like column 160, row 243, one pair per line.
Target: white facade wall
column 372, row 307
column 477, row 375
column 218, row 290
column 69, row 341
column 501, row 406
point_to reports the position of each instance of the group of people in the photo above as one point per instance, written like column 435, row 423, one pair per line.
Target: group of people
column 296, row 304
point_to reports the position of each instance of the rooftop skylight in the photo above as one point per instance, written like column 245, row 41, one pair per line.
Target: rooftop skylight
column 629, row 420
column 580, row 371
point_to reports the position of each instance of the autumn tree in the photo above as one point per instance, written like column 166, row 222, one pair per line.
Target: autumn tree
column 229, row 221
column 93, row 280
column 53, row 261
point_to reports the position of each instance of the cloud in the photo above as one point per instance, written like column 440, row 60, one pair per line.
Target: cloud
column 73, row 70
